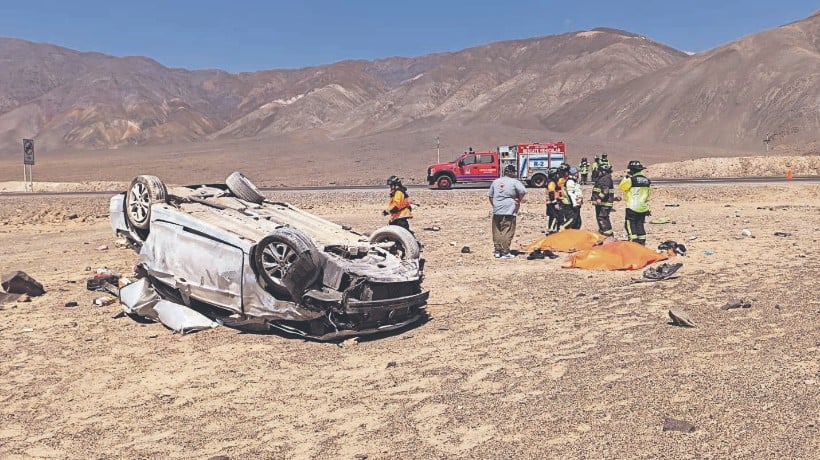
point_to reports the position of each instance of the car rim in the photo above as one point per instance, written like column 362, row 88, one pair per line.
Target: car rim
column 397, row 249
column 276, row 261
column 139, row 203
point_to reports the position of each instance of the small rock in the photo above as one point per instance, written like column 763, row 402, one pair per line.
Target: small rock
column 27, row 329
column 595, row 297
column 391, row 364
column 18, row 282
column 24, row 298
column 746, row 232
column 351, row 342
column 782, row 234
column 452, row 243
column 465, row 250
column 88, row 269
column 71, row 304
column 671, row 424
column 152, row 336
column 693, row 238
column 123, row 243
column 360, row 456
column 732, row 304
column 72, row 216
column 102, row 247
column 88, row 339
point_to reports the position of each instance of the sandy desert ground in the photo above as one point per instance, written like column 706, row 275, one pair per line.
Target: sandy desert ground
column 521, row 359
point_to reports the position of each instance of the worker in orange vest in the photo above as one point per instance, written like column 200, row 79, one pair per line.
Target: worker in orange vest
column 400, row 207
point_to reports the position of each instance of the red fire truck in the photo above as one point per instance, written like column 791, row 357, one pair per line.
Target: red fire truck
column 532, row 163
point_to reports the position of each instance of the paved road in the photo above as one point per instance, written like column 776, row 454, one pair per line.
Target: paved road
column 476, row 185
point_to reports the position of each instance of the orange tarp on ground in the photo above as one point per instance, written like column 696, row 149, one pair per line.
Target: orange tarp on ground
column 618, row 255
column 569, row 240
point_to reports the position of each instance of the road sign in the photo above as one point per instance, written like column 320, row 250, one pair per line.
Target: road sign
column 28, row 151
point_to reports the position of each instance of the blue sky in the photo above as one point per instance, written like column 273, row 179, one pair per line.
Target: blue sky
column 244, row 35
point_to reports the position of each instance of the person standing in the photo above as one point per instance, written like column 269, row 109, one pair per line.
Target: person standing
column 584, row 169
column 604, row 160
column 400, row 207
column 553, row 199
column 596, row 162
column 506, row 195
column 636, row 189
column 572, row 201
column 603, row 195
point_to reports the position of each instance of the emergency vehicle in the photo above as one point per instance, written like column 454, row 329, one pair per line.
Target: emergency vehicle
column 532, row 163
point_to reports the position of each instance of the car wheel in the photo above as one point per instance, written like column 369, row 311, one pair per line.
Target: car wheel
column 405, row 245
column 243, row 188
column 286, row 261
column 143, row 192
column 444, row 182
column 538, row 180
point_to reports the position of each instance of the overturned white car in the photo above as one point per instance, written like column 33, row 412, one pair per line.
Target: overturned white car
column 228, row 251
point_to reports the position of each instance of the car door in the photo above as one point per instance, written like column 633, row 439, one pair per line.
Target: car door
column 198, row 266
column 486, row 167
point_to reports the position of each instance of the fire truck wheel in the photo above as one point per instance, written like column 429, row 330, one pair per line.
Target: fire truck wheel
column 143, row 192
column 405, row 246
column 243, row 188
column 444, row 182
column 538, row 180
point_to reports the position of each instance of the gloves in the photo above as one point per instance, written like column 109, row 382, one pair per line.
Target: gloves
column 385, row 213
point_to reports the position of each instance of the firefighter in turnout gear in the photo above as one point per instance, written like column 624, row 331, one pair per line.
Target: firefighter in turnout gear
column 603, row 195
column 400, row 207
column 553, row 198
column 596, row 163
column 604, row 161
column 584, row 169
column 636, row 189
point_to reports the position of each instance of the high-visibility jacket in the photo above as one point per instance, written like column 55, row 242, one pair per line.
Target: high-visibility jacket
column 559, row 187
column 583, row 167
column 552, row 192
column 399, row 206
column 636, row 190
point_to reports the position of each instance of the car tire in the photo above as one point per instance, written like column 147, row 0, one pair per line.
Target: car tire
column 287, row 262
column 538, row 180
column 243, row 188
column 143, row 193
column 444, row 182
column 405, row 245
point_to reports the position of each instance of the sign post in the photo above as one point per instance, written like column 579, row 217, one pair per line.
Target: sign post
column 28, row 164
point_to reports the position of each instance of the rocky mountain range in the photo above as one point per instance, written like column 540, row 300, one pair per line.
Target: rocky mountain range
column 599, row 84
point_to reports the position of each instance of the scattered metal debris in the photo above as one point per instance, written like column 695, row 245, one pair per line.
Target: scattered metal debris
column 680, row 318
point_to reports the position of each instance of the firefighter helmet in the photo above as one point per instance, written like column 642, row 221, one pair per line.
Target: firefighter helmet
column 393, row 180
column 509, row 169
column 635, row 165
column 603, row 156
